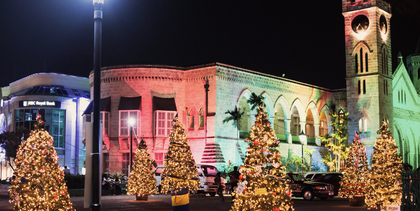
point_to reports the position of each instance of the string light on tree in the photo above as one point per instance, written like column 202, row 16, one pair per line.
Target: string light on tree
column 39, row 183
column 260, row 185
column 179, row 172
column 353, row 183
column 142, row 180
column 384, row 178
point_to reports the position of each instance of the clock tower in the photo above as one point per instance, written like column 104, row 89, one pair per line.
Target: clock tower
column 368, row 68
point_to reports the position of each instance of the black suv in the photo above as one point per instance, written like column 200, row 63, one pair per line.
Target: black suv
column 308, row 189
column 330, row 178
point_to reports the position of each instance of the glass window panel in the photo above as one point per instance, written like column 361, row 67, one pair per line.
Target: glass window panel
column 62, row 115
column 22, row 115
column 34, row 114
column 55, row 141
column 61, row 144
column 61, row 128
column 55, row 128
column 55, row 115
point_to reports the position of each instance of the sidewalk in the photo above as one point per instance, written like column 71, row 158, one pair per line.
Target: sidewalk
column 198, row 202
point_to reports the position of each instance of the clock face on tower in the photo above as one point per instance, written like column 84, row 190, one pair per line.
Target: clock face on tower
column 383, row 25
column 360, row 24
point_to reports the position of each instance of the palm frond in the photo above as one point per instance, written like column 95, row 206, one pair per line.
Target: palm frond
column 234, row 115
column 255, row 100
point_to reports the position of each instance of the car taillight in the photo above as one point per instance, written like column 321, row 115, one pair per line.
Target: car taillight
column 320, row 188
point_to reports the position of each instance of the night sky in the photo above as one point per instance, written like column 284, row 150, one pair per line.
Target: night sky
column 303, row 40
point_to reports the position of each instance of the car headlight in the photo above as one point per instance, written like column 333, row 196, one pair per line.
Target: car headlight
column 320, row 188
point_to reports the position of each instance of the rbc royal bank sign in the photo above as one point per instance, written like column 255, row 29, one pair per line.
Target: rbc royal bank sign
column 37, row 103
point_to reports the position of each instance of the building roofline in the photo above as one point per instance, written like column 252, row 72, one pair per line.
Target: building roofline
column 220, row 65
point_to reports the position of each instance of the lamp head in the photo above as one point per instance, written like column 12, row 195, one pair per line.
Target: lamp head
column 98, row 2
column 131, row 122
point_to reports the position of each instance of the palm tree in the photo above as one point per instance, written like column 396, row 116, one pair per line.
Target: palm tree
column 255, row 101
column 234, row 115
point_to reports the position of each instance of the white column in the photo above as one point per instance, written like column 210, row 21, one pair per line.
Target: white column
column 317, row 140
column 288, row 134
column 302, row 127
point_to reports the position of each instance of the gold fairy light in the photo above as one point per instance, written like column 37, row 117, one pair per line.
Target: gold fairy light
column 38, row 182
column 384, row 178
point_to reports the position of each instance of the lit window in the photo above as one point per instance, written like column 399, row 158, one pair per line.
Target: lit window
column 201, row 118
column 164, row 122
column 360, row 125
column 159, row 158
column 341, row 114
column 125, row 115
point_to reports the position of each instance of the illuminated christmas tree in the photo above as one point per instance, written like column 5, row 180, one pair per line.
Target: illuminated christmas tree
column 384, row 178
column 179, row 172
column 142, row 180
column 260, row 186
column 353, row 183
column 39, row 183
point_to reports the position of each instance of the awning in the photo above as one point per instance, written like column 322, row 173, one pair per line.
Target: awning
column 105, row 106
column 130, row 103
column 166, row 104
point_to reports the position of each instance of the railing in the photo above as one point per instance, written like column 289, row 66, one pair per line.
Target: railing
column 410, row 191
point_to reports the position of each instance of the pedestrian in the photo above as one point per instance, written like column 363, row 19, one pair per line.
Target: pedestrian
column 233, row 177
column 66, row 170
column 218, row 180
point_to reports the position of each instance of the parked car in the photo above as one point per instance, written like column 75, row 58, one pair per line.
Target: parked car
column 206, row 173
column 330, row 178
column 309, row 189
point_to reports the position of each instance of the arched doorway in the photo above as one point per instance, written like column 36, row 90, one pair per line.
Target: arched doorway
column 245, row 123
column 279, row 123
column 295, row 124
column 323, row 128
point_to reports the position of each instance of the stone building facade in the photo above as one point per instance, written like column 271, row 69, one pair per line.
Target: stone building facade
column 292, row 107
column 373, row 92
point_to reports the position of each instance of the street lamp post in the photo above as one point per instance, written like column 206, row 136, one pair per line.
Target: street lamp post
column 131, row 122
column 302, row 138
column 97, row 50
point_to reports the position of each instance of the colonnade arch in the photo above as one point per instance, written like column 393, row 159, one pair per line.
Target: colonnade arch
column 288, row 120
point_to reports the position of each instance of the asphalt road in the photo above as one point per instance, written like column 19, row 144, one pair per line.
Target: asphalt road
column 198, row 202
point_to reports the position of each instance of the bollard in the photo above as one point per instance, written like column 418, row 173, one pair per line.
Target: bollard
column 181, row 200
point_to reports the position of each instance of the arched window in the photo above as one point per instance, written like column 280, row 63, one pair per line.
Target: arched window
column 384, row 87
column 366, row 62
column 399, row 97
column 190, row 119
column 364, row 86
column 356, row 64
column 361, row 60
column 341, row 114
column 358, row 86
column 363, row 125
column 201, row 119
